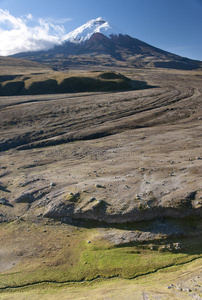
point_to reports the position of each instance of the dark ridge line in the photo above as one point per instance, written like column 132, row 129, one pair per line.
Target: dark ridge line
column 96, row 278
column 50, row 143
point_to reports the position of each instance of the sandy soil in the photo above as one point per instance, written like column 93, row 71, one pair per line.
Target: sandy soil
column 127, row 156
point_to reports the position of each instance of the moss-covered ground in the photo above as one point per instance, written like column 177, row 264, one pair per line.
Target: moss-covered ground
column 60, row 253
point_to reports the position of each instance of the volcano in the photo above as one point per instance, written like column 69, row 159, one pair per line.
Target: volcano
column 96, row 43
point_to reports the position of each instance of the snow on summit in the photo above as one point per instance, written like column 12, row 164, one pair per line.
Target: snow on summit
column 85, row 31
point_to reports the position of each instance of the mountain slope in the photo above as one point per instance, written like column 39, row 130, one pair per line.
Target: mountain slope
column 13, row 66
column 96, row 43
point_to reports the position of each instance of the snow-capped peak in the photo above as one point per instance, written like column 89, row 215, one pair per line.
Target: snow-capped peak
column 85, row 31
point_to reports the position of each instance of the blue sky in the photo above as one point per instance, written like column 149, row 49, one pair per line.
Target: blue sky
column 172, row 25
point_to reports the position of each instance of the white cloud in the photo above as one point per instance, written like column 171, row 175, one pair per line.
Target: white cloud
column 29, row 17
column 27, row 33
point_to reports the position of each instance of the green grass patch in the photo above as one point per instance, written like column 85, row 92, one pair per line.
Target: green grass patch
column 62, row 253
column 128, row 262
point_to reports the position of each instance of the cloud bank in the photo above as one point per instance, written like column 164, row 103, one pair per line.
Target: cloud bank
column 28, row 34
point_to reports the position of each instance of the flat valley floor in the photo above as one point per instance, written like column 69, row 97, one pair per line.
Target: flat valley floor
column 101, row 192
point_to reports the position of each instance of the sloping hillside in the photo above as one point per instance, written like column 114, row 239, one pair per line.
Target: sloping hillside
column 22, row 77
column 57, row 83
column 13, row 66
column 115, row 51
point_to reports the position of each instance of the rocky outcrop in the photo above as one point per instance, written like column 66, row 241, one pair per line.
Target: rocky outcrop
column 178, row 204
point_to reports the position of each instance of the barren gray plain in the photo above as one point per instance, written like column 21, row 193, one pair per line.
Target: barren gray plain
column 110, row 169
